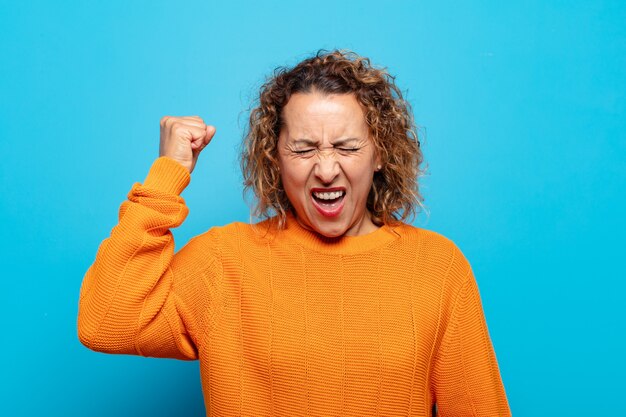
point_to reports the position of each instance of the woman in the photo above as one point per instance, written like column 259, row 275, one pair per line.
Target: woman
column 331, row 305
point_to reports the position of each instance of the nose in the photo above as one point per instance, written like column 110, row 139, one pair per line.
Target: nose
column 327, row 166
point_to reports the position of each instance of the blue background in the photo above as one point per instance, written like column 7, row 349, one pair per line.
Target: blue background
column 521, row 107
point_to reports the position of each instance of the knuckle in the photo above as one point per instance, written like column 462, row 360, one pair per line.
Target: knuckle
column 170, row 122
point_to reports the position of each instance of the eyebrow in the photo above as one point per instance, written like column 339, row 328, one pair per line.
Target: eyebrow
column 306, row 142
column 310, row 142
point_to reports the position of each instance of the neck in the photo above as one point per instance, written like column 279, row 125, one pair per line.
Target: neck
column 361, row 227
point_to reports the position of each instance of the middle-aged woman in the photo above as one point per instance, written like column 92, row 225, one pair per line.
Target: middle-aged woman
column 332, row 305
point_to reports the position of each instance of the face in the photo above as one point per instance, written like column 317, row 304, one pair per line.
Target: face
column 327, row 162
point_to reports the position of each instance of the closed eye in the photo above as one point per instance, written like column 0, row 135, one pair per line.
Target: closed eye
column 310, row 151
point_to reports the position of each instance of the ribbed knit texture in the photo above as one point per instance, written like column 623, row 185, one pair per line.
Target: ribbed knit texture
column 285, row 323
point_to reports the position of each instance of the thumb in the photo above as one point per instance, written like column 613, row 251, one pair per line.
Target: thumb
column 210, row 132
column 201, row 144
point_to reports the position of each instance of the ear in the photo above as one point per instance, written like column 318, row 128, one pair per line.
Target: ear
column 378, row 163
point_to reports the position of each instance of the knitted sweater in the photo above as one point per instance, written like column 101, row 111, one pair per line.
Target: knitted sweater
column 288, row 323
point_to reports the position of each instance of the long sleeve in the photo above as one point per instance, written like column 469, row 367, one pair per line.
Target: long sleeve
column 466, row 378
column 128, row 303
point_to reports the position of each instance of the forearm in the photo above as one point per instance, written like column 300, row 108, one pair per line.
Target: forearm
column 130, row 280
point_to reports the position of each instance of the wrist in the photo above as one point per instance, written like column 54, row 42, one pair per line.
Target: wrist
column 168, row 175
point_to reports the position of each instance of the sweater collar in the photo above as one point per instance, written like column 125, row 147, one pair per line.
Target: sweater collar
column 295, row 232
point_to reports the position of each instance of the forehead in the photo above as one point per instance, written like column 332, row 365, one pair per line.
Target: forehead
column 323, row 116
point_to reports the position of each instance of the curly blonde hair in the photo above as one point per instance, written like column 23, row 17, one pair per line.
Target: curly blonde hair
column 394, row 196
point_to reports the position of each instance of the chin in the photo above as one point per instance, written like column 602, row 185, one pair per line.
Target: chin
column 324, row 228
column 330, row 229
column 331, row 233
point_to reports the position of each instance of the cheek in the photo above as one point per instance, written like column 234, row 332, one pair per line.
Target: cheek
column 360, row 175
column 293, row 176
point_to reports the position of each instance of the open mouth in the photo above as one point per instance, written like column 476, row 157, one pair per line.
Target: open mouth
column 328, row 202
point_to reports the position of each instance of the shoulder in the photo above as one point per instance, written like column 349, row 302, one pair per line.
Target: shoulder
column 429, row 240
column 428, row 237
column 436, row 251
column 441, row 263
column 233, row 234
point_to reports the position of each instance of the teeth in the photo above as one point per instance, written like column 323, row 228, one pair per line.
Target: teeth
column 328, row 196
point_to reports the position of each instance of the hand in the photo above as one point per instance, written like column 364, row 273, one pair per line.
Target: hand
column 183, row 138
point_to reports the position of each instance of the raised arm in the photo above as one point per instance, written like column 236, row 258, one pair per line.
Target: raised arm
column 129, row 299
column 466, row 378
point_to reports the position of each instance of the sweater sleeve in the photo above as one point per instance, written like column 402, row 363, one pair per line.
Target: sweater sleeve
column 466, row 378
column 127, row 299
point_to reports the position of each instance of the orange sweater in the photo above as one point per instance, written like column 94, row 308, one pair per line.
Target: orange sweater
column 287, row 323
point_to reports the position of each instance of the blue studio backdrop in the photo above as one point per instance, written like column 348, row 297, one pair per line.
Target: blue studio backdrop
column 521, row 108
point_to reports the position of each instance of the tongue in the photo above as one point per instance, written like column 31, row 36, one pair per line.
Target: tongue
column 328, row 203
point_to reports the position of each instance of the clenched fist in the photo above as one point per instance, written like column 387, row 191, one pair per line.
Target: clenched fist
column 183, row 138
